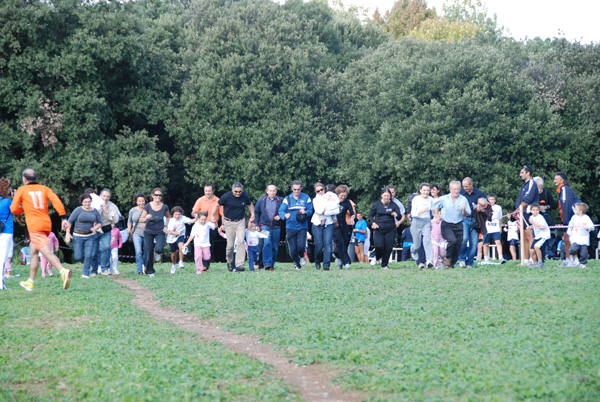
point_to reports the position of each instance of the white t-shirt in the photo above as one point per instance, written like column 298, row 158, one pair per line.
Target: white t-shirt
column 177, row 226
column 513, row 230
column 579, row 233
column 201, row 233
column 540, row 233
column 493, row 226
column 252, row 237
column 419, row 203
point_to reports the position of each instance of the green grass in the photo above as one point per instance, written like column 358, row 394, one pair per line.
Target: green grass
column 90, row 343
column 491, row 333
column 498, row 333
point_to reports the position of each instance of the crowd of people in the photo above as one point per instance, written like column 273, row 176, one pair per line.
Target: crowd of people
column 443, row 229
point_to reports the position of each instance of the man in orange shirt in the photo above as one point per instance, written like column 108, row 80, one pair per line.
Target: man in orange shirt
column 32, row 199
column 206, row 204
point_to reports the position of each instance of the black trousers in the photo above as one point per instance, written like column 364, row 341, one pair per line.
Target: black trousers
column 453, row 234
column 384, row 238
column 150, row 247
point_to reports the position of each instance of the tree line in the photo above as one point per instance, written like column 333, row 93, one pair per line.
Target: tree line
column 131, row 95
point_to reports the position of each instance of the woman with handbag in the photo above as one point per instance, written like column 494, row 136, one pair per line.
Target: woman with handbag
column 84, row 221
column 136, row 230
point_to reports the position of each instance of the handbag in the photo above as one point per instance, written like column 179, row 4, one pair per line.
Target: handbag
column 134, row 227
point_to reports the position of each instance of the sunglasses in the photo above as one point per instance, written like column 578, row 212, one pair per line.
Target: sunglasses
column 157, row 195
column 319, row 190
column 237, row 191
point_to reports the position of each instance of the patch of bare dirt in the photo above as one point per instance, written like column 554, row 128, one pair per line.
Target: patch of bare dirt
column 312, row 382
column 56, row 323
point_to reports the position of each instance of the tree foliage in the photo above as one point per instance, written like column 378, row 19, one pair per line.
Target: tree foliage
column 177, row 93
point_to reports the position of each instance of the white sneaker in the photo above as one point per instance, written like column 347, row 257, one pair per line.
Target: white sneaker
column 347, row 266
column 85, row 276
column 374, row 261
column 151, row 276
column 502, row 260
column 173, row 268
column 116, row 272
column 302, row 261
column 181, row 264
column 462, row 264
column 338, row 262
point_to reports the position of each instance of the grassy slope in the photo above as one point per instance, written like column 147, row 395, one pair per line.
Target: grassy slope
column 497, row 333
column 90, row 343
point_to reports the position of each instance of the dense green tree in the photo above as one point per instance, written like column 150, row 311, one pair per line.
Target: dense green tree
column 429, row 111
column 136, row 94
column 105, row 67
column 256, row 106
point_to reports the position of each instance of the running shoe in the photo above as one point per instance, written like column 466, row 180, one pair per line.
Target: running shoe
column 28, row 286
column 66, row 278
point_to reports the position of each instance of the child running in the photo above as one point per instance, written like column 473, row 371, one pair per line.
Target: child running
column 116, row 242
column 437, row 240
column 252, row 240
column 493, row 230
column 176, row 236
column 44, row 263
column 512, row 234
column 201, row 236
column 579, row 230
column 541, row 233
column 360, row 235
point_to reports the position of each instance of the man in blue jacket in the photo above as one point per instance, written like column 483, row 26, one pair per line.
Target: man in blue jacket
column 266, row 213
column 566, row 202
column 295, row 210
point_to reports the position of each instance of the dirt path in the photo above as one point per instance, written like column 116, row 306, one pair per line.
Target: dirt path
column 312, row 382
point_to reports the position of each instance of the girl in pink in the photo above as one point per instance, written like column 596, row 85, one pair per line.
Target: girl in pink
column 45, row 264
column 201, row 236
column 116, row 242
column 437, row 241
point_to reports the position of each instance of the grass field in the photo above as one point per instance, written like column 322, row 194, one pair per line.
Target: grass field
column 498, row 333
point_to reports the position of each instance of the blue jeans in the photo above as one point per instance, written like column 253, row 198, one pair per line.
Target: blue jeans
column 104, row 252
column 270, row 246
column 323, row 236
column 138, row 244
column 470, row 237
column 83, row 247
column 95, row 260
column 252, row 256
column 297, row 244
